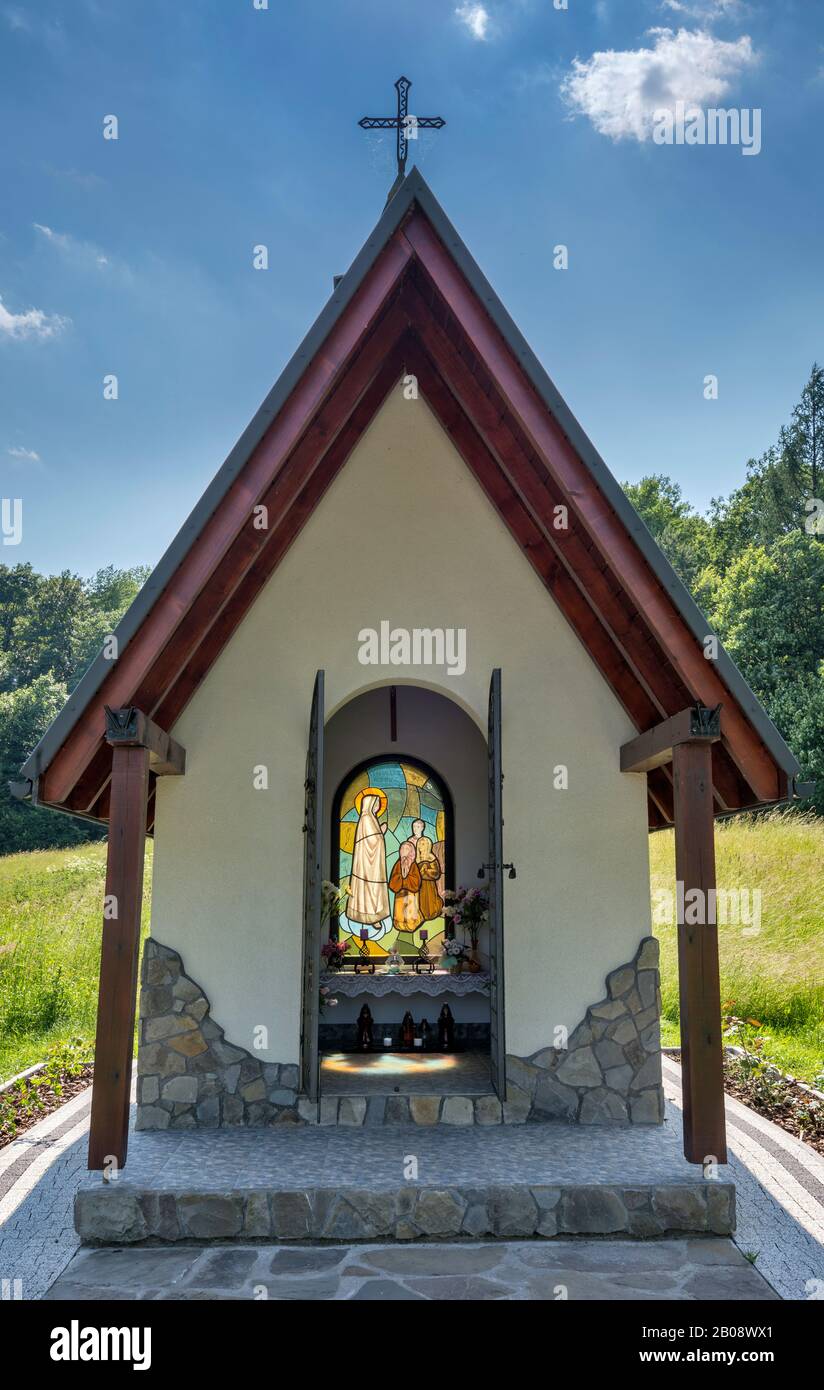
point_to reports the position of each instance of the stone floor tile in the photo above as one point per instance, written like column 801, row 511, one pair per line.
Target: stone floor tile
column 66, row 1291
column 554, row 1285
column 383, row 1073
column 384, row 1291
column 317, row 1288
column 717, row 1250
column 729, row 1283
column 457, row 1289
column 308, row 1260
column 435, row 1259
column 143, row 1266
column 593, row 1256
column 221, row 1269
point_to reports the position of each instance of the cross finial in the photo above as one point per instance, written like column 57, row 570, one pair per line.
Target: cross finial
column 407, row 127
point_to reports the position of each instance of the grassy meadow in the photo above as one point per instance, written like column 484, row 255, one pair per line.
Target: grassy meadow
column 777, row 975
column 50, row 925
column 51, row 904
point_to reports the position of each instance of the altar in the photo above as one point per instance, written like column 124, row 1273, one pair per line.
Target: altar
column 381, row 984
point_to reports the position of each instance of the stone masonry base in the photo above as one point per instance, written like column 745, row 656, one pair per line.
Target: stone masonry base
column 123, row 1214
column 191, row 1077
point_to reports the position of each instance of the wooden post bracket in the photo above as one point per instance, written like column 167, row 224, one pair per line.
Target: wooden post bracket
column 652, row 749
column 130, row 727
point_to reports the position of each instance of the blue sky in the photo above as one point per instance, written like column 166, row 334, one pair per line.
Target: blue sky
column 237, row 126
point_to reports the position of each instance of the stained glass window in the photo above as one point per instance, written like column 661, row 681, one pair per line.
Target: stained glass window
column 393, row 834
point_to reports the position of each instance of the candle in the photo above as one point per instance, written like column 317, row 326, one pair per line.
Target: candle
column 387, row 1042
column 364, row 934
column 419, row 1042
column 424, row 934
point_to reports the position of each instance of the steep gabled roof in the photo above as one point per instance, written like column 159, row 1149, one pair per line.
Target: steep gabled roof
column 415, row 299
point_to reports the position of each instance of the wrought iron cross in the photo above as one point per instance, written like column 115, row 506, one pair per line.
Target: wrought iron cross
column 407, row 126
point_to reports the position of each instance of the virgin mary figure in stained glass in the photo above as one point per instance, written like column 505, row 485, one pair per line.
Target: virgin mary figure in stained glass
column 385, row 808
column 368, row 904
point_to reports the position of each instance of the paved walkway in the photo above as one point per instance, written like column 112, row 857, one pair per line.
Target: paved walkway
column 296, row 1157
column 672, row 1270
column 780, row 1185
column 779, row 1196
column 39, row 1174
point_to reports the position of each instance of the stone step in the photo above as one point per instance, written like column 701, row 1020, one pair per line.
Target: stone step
column 120, row 1213
column 430, row 1110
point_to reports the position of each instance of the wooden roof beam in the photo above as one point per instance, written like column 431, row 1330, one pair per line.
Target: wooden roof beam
column 131, row 728
column 654, row 748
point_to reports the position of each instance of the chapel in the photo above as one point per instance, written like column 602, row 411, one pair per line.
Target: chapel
column 400, row 706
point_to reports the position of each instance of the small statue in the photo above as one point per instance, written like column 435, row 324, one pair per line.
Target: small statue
column 425, row 1032
column 408, row 1030
column 446, row 1030
column 365, row 1029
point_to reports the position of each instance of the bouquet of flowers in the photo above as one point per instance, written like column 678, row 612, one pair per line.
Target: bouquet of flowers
column 325, row 996
column 333, row 953
column 467, row 908
column 332, row 901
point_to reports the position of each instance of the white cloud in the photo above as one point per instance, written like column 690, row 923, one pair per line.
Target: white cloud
column 33, row 323
column 620, row 92
column 24, row 455
column 706, row 10
column 476, row 19
column 16, row 20
column 48, row 31
column 81, row 252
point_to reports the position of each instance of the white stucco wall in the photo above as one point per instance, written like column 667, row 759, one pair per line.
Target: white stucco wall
column 404, row 534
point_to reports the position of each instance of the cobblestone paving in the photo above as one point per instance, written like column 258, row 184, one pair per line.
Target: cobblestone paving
column 297, row 1157
column 779, row 1195
column 524, row 1270
column 39, row 1175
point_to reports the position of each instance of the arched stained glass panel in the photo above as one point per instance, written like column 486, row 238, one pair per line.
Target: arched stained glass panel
column 393, row 828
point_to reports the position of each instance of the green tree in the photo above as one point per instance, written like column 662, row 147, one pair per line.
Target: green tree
column 24, row 715
column 51, row 628
column 45, row 633
column 776, row 497
column 109, row 593
column 768, row 606
column 682, row 533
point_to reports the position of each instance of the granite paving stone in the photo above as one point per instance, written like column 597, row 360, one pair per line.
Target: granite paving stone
column 472, row 1272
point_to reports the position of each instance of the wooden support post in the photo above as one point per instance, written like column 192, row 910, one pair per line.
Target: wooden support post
column 116, row 1003
column 701, row 1051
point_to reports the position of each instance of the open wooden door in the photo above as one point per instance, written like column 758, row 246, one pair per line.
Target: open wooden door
column 495, row 872
column 312, row 879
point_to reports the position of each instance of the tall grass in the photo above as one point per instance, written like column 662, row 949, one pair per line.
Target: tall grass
column 50, row 930
column 776, row 975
